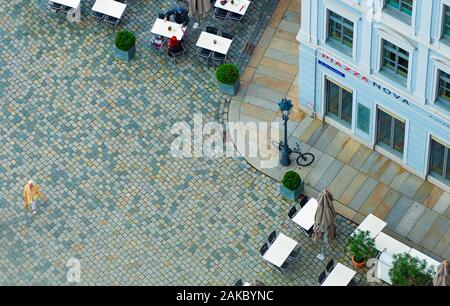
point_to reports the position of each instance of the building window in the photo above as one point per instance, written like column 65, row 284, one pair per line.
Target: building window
column 444, row 89
column 400, row 9
column 402, row 6
column 395, row 61
column 446, row 26
column 339, row 103
column 391, row 133
column 340, row 32
column 440, row 161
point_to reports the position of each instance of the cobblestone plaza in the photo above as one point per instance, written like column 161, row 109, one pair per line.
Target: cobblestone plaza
column 94, row 133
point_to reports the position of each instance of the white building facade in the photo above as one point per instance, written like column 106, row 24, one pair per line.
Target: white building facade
column 379, row 70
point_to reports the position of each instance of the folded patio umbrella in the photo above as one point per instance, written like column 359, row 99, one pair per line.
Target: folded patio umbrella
column 442, row 277
column 324, row 219
column 199, row 8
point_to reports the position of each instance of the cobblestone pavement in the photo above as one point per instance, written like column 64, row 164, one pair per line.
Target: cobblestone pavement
column 362, row 180
column 94, row 133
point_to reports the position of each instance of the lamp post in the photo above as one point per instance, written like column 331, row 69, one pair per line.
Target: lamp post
column 285, row 108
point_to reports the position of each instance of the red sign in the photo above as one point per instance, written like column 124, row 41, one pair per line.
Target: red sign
column 346, row 68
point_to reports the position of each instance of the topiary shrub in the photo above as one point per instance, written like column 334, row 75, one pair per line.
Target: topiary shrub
column 227, row 73
column 410, row 271
column 125, row 40
column 361, row 246
column 291, row 180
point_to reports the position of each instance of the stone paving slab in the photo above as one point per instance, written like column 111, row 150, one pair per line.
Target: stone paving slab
column 443, row 204
column 398, row 211
column 423, row 225
column 342, row 180
column 436, row 232
column 410, row 218
column 374, row 199
column 353, row 188
column 424, row 191
column 329, row 175
column 384, row 208
column 324, row 140
column 363, row 193
column 360, row 157
column 443, row 246
column 336, row 145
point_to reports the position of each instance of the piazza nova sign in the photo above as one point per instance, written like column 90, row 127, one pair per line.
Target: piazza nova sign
column 359, row 76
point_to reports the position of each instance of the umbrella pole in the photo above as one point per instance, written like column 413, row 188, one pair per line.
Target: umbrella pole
column 197, row 24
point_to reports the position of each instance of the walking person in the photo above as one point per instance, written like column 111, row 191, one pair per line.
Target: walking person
column 31, row 194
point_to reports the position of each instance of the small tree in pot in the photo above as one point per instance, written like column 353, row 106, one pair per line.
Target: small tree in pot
column 362, row 247
column 291, row 186
column 228, row 77
column 410, row 271
column 125, row 45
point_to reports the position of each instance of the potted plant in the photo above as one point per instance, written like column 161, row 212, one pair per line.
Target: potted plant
column 410, row 271
column 125, row 45
column 362, row 248
column 291, row 186
column 228, row 77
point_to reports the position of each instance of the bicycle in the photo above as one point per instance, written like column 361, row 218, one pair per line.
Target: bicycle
column 303, row 159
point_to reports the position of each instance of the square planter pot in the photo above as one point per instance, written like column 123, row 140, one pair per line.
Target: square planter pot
column 230, row 90
column 292, row 195
column 124, row 55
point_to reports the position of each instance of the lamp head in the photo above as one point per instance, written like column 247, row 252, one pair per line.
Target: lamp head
column 285, row 106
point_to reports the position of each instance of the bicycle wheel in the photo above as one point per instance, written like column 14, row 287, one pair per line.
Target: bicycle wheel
column 305, row 159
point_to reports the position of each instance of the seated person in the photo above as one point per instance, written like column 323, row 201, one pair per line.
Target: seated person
column 173, row 46
column 181, row 15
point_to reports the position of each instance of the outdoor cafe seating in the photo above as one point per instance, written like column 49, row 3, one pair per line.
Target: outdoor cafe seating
column 279, row 250
column 305, row 216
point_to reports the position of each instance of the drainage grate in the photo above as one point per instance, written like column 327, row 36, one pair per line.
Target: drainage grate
column 249, row 48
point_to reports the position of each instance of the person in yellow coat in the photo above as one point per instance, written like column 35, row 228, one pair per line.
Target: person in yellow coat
column 31, row 193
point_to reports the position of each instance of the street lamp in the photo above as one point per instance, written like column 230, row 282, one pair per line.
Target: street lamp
column 285, row 108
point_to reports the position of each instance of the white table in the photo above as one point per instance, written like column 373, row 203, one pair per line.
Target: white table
column 384, row 265
column 161, row 27
column 372, row 224
column 206, row 41
column 280, row 250
column 109, row 7
column 70, row 3
column 305, row 217
column 239, row 6
column 392, row 246
column 340, row 276
column 430, row 261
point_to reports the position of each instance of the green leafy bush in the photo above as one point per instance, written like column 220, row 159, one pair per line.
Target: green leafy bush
column 227, row 73
column 410, row 271
column 291, row 180
column 361, row 246
column 125, row 40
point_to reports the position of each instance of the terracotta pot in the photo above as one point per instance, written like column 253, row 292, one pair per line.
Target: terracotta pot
column 358, row 265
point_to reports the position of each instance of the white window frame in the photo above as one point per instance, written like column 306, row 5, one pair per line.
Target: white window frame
column 430, row 177
column 441, row 19
column 336, row 8
column 398, row 24
column 330, row 120
column 403, row 160
column 400, row 42
column 438, row 64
